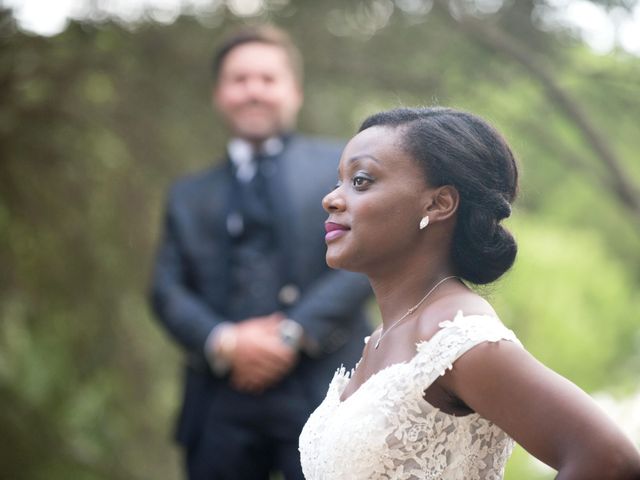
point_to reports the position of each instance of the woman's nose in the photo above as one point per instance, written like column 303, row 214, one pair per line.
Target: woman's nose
column 333, row 201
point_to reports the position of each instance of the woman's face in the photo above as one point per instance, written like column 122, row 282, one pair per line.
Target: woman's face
column 376, row 207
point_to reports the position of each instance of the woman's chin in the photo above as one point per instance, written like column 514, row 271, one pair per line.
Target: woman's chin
column 336, row 259
column 339, row 262
column 333, row 261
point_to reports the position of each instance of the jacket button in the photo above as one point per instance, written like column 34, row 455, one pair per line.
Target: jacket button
column 288, row 294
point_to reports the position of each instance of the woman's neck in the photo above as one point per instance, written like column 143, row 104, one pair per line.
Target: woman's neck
column 397, row 291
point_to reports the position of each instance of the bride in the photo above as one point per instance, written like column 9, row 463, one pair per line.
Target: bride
column 443, row 387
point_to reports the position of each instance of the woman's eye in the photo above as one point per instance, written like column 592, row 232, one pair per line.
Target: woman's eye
column 360, row 181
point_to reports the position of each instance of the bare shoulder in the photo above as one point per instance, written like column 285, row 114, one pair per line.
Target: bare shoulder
column 544, row 412
column 447, row 308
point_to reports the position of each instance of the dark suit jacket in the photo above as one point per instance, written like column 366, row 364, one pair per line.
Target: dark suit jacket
column 191, row 284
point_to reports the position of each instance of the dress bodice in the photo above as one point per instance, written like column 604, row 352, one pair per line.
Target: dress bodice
column 386, row 430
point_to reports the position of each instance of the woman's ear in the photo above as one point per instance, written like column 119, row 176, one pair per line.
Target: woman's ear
column 442, row 203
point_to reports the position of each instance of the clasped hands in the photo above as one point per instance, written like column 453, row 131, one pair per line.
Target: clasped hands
column 259, row 358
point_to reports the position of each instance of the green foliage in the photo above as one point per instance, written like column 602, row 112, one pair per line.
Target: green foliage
column 98, row 120
column 572, row 303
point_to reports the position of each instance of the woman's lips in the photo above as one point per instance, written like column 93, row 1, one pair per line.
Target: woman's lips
column 334, row 230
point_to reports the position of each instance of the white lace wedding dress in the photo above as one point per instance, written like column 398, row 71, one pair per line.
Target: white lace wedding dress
column 386, row 430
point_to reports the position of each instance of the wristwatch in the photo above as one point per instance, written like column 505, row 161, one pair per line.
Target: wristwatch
column 291, row 333
column 220, row 347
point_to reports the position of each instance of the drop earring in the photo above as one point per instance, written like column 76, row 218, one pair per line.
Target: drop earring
column 424, row 222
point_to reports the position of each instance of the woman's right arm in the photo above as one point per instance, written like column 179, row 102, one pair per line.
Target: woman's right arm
column 548, row 415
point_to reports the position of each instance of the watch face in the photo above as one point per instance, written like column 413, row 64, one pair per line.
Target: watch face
column 290, row 333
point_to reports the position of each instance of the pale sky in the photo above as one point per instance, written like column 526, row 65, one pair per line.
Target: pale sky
column 601, row 30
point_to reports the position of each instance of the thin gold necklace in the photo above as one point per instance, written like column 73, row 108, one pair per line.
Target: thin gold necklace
column 412, row 309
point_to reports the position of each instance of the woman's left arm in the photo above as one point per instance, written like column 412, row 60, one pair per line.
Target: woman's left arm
column 548, row 415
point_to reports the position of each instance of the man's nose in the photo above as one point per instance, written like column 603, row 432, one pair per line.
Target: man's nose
column 255, row 88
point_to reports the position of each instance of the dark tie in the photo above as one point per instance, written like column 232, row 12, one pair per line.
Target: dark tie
column 255, row 201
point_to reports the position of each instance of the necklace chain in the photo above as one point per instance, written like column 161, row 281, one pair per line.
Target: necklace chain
column 412, row 309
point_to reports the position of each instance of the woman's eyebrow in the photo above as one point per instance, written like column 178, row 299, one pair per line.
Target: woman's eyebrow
column 364, row 155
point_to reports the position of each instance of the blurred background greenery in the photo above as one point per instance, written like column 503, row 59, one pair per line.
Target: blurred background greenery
column 97, row 120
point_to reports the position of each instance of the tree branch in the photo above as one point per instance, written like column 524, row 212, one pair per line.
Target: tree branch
column 500, row 41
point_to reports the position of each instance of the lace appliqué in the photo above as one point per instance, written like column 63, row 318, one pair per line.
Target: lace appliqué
column 386, row 430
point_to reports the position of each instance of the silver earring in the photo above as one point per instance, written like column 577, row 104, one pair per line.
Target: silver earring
column 424, row 222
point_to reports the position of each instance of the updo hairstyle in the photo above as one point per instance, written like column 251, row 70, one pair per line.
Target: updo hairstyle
column 460, row 149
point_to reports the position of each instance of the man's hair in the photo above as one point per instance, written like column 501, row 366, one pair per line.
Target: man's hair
column 266, row 34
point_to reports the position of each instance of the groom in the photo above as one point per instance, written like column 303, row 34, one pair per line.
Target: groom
column 241, row 281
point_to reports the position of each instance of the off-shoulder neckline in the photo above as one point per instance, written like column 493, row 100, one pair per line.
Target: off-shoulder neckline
column 346, row 375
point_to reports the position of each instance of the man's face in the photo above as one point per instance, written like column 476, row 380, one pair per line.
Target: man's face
column 257, row 92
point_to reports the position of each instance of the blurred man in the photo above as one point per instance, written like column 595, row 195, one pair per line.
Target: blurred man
column 241, row 281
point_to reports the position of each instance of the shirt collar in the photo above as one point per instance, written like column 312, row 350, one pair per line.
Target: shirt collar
column 242, row 156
